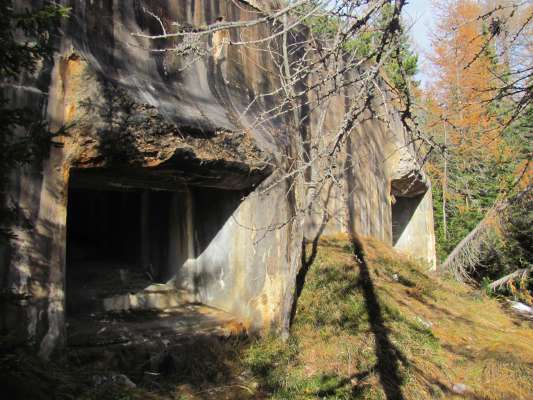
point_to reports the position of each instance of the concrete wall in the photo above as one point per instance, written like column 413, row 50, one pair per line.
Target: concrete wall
column 376, row 168
column 412, row 219
column 138, row 119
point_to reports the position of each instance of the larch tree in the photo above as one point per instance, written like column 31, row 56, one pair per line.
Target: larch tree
column 462, row 117
column 479, row 108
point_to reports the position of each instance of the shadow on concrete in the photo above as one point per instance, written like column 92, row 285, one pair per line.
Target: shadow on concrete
column 122, row 241
column 402, row 211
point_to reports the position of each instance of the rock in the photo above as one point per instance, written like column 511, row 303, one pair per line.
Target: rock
column 99, row 380
column 424, row 322
column 522, row 308
column 459, row 388
column 163, row 363
column 123, row 380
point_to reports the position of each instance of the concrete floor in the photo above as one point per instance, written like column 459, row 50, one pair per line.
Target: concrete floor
column 141, row 327
column 112, row 303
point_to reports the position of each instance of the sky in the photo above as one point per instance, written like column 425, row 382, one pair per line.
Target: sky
column 420, row 15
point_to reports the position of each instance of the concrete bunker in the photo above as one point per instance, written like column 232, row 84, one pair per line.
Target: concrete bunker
column 412, row 213
column 129, row 232
column 195, row 135
column 403, row 211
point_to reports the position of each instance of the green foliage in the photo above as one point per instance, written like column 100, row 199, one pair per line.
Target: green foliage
column 26, row 40
column 486, row 156
column 475, row 184
column 513, row 249
column 518, row 135
column 269, row 359
column 25, row 37
column 475, row 190
column 402, row 64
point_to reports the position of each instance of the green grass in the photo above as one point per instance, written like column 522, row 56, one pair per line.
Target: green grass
column 332, row 351
column 336, row 356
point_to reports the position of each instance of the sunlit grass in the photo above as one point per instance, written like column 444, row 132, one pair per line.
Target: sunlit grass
column 444, row 333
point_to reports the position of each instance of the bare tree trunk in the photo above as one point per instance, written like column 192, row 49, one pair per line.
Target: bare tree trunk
column 445, row 184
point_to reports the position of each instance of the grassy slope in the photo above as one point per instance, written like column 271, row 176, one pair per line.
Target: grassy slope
column 421, row 336
column 432, row 334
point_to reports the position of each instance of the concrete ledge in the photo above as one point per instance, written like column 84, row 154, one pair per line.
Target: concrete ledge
column 154, row 297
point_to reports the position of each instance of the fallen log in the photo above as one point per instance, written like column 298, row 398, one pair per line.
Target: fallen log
column 468, row 255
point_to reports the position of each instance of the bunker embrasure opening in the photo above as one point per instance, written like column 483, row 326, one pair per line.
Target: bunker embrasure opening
column 128, row 238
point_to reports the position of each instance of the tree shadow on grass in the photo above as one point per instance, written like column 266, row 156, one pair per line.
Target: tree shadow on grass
column 388, row 356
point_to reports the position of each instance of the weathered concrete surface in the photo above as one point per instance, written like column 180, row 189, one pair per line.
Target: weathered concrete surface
column 135, row 329
column 412, row 225
column 153, row 297
column 137, row 121
column 376, row 165
column 141, row 121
